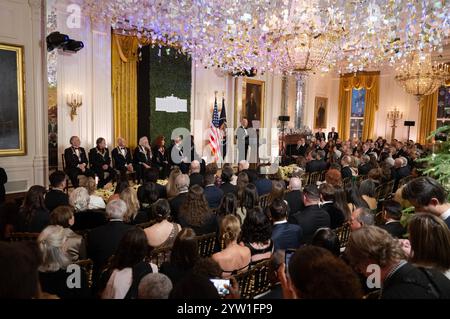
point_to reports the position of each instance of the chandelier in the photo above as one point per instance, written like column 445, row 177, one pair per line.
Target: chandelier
column 419, row 76
column 284, row 36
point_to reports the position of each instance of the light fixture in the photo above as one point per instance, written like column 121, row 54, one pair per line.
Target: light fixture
column 74, row 101
column 419, row 76
column 394, row 116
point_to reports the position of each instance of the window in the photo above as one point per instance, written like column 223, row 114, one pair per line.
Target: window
column 443, row 111
column 357, row 116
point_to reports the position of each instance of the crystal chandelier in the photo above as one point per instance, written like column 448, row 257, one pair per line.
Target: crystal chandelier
column 419, row 76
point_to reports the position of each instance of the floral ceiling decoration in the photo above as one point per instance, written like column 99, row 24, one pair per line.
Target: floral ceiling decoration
column 284, row 36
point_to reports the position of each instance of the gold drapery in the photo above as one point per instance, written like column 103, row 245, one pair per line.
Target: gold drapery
column 427, row 116
column 124, row 87
column 366, row 80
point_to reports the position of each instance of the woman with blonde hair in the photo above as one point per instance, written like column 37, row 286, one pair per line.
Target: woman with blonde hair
column 133, row 215
column 53, row 272
column 171, row 186
column 95, row 202
column 84, row 217
column 234, row 258
column 430, row 242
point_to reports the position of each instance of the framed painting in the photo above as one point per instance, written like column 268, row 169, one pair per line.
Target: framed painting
column 12, row 101
column 320, row 112
column 253, row 102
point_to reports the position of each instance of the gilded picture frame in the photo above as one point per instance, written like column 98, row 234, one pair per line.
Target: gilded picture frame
column 12, row 101
column 320, row 112
column 253, row 101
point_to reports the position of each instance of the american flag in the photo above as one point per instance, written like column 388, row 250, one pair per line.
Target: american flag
column 214, row 133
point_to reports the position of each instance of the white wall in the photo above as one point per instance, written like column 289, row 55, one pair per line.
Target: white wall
column 21, row 24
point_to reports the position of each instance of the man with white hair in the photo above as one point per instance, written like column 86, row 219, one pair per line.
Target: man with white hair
column 195, row 177
column 121, row 156
column 102, row 242
column 364, row 167
column 401, row 170
column 182, row 184
column 346, row 171
column 155, row 286
column 294, row 198
column 243, row 165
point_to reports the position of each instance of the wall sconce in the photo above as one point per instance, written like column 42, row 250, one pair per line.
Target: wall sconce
column 74, row 101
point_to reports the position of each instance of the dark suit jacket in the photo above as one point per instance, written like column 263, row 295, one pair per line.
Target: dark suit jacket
column 3, row 181
column 400, row 173
column 40, row 220
column 320, row 135
column 346, row 172
column 121, row 162
column 333, row 136
column 364, row 169
column 410, row 282
column 162, row 193
column 395, row 229
column 175, row 205
column 286, row 236
column 72, row 160
column 142, row 158
column 160, row 159
column 102, row 242
column 337, row 217
column 55, row 198
column 299, row 150
column 228, row 188
column 97, row 160
column 310, row 219
column 196, row 179
column 263, row 186
column 89, row 219
column 213, row 195
column 295, row 201
column 316, row 166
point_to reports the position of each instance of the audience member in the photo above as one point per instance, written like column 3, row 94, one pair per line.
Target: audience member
column 33, row 215
column 56, row 196
column 284, row 235
column 154, row 286
column 162, row 234
column 392, row 213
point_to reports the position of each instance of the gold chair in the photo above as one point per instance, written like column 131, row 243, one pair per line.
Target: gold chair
column 255, row 281
column 264, row 201
column 343, row 234
column 88, row 267
column 18, row 237
column 314, row 178
column 206, row 244
column 68, row 182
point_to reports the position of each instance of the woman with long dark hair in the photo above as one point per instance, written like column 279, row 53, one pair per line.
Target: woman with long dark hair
column 161, row 157
column 248, row 199
column 33, row 215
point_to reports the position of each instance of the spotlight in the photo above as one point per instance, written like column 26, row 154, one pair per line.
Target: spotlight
column 73, row 46
column 250, row 73
column 56, row 40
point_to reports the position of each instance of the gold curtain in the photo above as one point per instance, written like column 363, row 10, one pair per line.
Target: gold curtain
column 124, row 87
column 427, row 116
column 369, row 81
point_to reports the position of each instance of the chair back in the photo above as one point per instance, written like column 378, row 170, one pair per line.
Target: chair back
column 206, row 244
column 88, row 266
column 343, row 233
column 264, row 201
column 314, row 178
column 17, row 237
column 255, row 281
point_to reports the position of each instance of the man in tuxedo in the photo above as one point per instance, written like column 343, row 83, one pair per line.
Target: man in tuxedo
column 284, row 235
column 121, row 156
column 401, row 170
column 315, row 163
column 392, row 213
column 143, row 157
column 333, row 135
column 337, row 217
column 312, row 217
column 428, row 196
column 177, row 155
column 346, row 171
column 294, row 197
column 213, row 194
column 101, row 163
column 56, row 196
column 300, row 149
column 320, row 135
column 195, row 178
column 243, row 139
column 365, row 166
column 182, row 184
column 102, row 242
column 76, row 161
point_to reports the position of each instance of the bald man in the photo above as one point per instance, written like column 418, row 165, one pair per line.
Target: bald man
column 121, row 156
column 294, row 197
column 195, row 177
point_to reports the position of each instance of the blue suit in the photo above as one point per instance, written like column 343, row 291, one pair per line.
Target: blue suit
column 286, row 236
column 263, row 186
column 213, row 195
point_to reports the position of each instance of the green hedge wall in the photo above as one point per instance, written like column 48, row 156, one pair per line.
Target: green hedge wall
column 169, row 74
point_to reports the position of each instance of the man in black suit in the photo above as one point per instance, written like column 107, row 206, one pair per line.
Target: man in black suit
column 312, row 217
column 151, row 176
column 365, row 166
column 333, row 135
column 300, row 149
column 337, row 217
column 213, row 194
column 320, row 135
column 101, row 163
column 284, row 235
column 227, row 176
column 346, row 171
column 56, row 196
column 195, row 177
column 121, row 156
column 243, row 139
column 398, row 278
column 102, row 242
column 76, row 161
column 294, row 197
column 401, row 170
column 3, row 181
column 392, row 213
column 182, row 184
column 315, row 164
column 143, row 157
column 428, row 196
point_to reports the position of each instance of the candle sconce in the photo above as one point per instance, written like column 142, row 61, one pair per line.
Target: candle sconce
column 74, row 101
